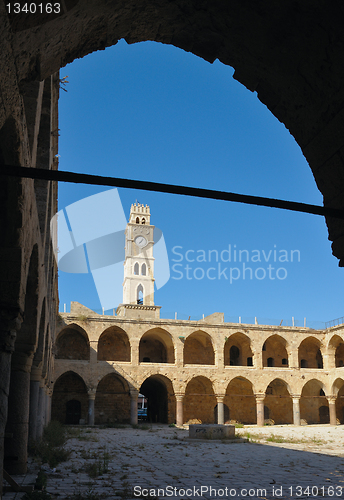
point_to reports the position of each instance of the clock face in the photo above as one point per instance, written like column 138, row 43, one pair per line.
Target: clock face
column 141, row 241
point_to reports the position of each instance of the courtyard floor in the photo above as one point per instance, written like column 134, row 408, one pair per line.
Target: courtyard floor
column 159, row 461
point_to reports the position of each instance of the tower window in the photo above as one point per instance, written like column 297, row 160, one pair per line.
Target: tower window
column 137, row 220
column 140, row 294
column 143, row 220
column 136, row 269
column 144, row 270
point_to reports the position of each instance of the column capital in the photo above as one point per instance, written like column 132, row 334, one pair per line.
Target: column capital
column 260, row 396
column 296, row 397
column 134, row 393
column 331, row 399
column 220, row 397
column 179, row 396
column 91, row 393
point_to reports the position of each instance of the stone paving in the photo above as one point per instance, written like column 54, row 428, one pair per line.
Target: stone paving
column 159, row 461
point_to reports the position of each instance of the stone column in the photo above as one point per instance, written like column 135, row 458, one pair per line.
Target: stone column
column 34, row 391
column 134, row 394
column 9, row 325
column 179, row 409
column 40, row 412
column 91, row 400
column 220, row 409
column 296, row 410
column 332, row 409
column 18, row 414
column 260, row 409
column 48, row 414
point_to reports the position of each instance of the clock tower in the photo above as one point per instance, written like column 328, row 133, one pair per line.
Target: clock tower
column 138, row 285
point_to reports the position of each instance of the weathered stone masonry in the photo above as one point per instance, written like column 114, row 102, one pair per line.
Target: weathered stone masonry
column 290, row 54
column 207, row 370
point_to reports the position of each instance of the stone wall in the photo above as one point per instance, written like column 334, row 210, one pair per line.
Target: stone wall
column 175, row 373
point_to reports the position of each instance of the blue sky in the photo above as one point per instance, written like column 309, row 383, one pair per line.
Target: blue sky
column 154, row 112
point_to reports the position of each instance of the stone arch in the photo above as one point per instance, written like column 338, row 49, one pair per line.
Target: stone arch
column 279, row 402
column 69, row 387
column 156, row 346
column 265, row 60
column 310, row 355
column 198, row 349
column 161, row 401
column 73, row 343
column 312, row 399
column 241, row 345
column 241, row 401
column 112, row 403
column 338, row 390
column 144, row 269
column 113, row 345
column 136, row 269
column 275, row 352
column 199, row 400
column 336, row 349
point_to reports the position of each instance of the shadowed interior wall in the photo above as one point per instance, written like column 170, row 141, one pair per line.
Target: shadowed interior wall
column 312, row 399
column 241, row 401
column 279, row 402
column 198, row 350
column 68, row 387
column 113, row 345
column 71, row 344
column 199, row 401
column 112, row 402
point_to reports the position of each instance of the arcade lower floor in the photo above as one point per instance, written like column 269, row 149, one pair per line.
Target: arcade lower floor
column 115, row 400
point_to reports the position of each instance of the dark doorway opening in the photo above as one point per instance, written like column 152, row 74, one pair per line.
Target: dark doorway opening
column 157, row 400
column 73, row 412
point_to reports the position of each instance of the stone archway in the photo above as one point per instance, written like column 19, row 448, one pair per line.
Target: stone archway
column 237, row 350
column 274, row 352
column 198, row 349
column 278, row 403
column 266, row 44
column 113, row 345
column 241, row 401
column 156, row 346
column 310, row 355
column 112, row 403
column 199, row 400
column 72, row 343
column 313, row 403
column 69, row 387
column 159, row 392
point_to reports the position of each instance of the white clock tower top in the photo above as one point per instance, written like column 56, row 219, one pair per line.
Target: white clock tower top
column 138, row 284
column 139, row 214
